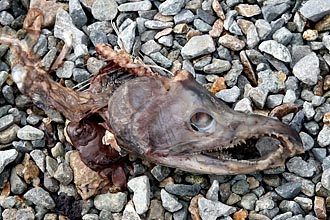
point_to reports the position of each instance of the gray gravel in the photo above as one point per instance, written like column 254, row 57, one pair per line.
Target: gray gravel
column 268, row 53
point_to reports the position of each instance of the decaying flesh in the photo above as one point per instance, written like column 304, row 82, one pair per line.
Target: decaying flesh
column 175, row 121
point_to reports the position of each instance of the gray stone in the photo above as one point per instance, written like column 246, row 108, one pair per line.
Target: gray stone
column 8, row 94
column 161, row 60
column 205, row 16
column 94, row 65
column 3, row 77
column 248, row 201
column 25, row 213
column 183, row 189
column 98, row 37
column 212, row 210
column 201, row 25
column 270, row 12
column 244, row 105
column 64, row 173
column 323, row 137
column 315, row 9
column 307, row 69
column 283, row 216
column 126, row 37
column 298, row 52
column 160, row 172
column 135, row 6
column 264, row 203
column 6, row 18
column 229, row 95
column 270, row 81
column 166, row 40
column 326, row 41
column 305, row 203
column 65, row 71
column 217, row 66
column 317, row 100
column 289, row 190
column 290, row 96
column 263, row 28
column 141, row 188
column 258, row 96
column 112, row 202
column 308, row 141
column 17, row 185
column 252, row 38
column 40, row 197
column 325, row 179
column 206, row 46
column 80, row 75
column 150, row 46
column 157, row 25
column 213, row 192
column 171, row 7
column 290, row 206
column 277, row 50
column 307, row 186
column 6, row 121
column 6, row 157
column 283, row 36
column 182, row 214
column 232, row 75
column 50, row 183
column 51, row 165
column 184, row 16
column 170, row 202
column 29, row 133
column 326, row 162
column 40, row 158
column 130, row 213
column 77, row 13
column 230, row 17
column 274, row 100
column 308, row 110
column 104, row 10
column 298, row 119
column 65, row 30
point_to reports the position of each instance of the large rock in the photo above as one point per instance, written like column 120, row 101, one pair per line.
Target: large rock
column 197, row 46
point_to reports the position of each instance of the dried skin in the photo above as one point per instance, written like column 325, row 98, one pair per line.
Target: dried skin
column 174, row 122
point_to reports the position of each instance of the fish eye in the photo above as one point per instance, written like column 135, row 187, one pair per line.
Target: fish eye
column 202, row 122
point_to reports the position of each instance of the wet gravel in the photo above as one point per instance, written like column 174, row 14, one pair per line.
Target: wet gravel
column 261, row 56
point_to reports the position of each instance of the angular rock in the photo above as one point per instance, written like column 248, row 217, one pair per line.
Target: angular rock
column 104, row 10
column 205, row 46
column 231, row 42
column 212, row 210
column 6, row 157
column 29, row 133
column 170, row 202
column 277, row 50
column 217, row 66
column 171, row 7
column 315, row 9
column 135, row 6
column 289, row 190
column 307, row 69
column 229, row 95
column 112, row 202
column 141, row 188
column 40, row 197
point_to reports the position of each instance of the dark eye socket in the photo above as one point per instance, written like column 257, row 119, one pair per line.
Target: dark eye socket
column 202, row 122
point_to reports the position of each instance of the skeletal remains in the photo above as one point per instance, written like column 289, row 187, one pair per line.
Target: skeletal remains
column 174, row 122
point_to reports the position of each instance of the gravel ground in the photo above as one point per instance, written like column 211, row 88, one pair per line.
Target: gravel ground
column 261, row 56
